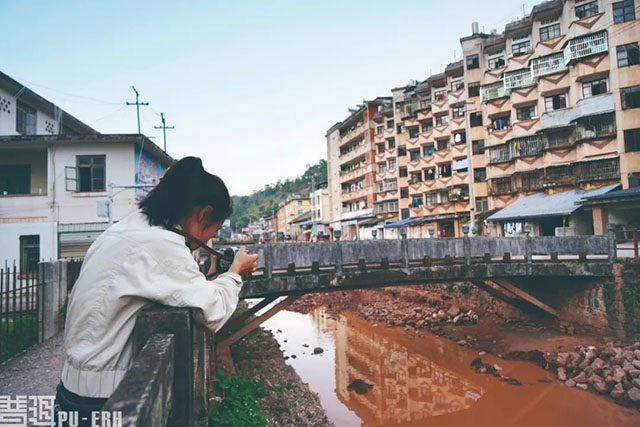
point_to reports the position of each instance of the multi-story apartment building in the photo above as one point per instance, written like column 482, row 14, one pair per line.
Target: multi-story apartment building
column 553, row 101
column 290, row 209
column 352, row 168
column 549, row 105
column 55, row 172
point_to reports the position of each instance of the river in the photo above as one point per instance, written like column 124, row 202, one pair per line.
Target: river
column 419, row 381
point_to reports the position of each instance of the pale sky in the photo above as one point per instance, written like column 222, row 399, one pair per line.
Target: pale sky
column 251, row 86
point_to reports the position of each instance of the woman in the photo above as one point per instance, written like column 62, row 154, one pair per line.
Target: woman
column 142, row 259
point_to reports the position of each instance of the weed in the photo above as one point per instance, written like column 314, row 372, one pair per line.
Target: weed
column 240, row 404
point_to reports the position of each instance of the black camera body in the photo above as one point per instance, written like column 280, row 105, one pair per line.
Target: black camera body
column 223, row 265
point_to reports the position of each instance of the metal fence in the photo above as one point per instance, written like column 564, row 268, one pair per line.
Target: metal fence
column 21, row 311
column 73, row 271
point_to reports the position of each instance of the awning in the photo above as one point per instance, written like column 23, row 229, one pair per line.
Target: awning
column 370, row 222
column 591, row 106
column 542, row 205
column 402, row 223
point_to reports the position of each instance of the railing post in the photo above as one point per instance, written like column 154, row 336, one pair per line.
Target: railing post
column 267, row 253
column 338, row 257
column 404, row 245
column 466, row 246
column 634, row 234
column 528, row 250
column 613, row 255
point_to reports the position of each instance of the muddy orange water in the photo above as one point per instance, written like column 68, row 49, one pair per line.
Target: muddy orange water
column 426, row 381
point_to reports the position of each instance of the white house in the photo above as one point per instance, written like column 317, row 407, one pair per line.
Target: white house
column 54, row 175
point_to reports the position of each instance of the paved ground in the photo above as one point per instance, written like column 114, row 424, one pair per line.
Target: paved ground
column 35, row 372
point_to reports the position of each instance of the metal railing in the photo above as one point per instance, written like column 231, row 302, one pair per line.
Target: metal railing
column 21, row 311
column 498, row 154
column 493, row 91
column 548, row 65
column 596, row 127
column 590, row 44
column 518, row 78
column 527, row 146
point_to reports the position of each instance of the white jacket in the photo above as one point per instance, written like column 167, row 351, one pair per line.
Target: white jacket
column 129, row 266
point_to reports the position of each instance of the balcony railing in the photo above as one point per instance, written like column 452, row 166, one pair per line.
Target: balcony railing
column 596, row 127
column 598, row 170
column 527, row 146
column 385, row 186
column 548, row 65
column 558, row 175
column 518, row 78
column 493, row 91
column 498, row 154
column 555, row 138
column 590, row 44
column 501, row 186
column 386, row 207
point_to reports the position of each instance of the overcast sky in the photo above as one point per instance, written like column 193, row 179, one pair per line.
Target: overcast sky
column 251, row 86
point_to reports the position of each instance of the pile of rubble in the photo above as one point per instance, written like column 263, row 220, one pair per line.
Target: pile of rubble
column 611, row 370
column 415, row 317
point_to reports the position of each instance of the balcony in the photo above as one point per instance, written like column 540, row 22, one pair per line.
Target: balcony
column 522, row 147
column 549, row 64
column 518, row 78
column 390, row 206
column 493, row 91
column 558, row 175
column 501, row 186
column 557, row 137
column 598, row 170
column 587, row 45
column 357, row 193
column 387, row 185
column 499, row 154
column 601, row 126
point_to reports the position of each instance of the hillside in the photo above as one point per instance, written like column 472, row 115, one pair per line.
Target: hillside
column 247, row 209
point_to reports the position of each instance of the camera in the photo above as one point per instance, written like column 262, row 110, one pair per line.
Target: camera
column 223, row 265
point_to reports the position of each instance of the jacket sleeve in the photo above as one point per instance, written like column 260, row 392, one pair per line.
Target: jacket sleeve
column 179, row 283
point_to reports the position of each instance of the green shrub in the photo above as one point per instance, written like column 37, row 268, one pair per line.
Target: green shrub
column 464, row 288
column 240, row 404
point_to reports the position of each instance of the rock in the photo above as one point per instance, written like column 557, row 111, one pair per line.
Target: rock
column 597, row 364
column 636, row 364
column 628, row 354
column 359, row 386
column 453, row 310
column 634, row 394
column 600, row 386
column 637, row 354
column 293, row 356
column 634, row 373
column 618, row 375
column 318, row 350
column 636, row 382
column 626, row 366
column 582, row 386
column 570, row 383
column 482, row 353
column 476, row 362
column 562, row 374
column 305, row 345
column 462, row 342
column 590, row 354
column 580, row 378
column 562, row 358
column 617, row 391
column 583, row 365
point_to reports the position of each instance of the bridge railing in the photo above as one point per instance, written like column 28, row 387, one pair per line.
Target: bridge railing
column 167, row 384
column 275, row 258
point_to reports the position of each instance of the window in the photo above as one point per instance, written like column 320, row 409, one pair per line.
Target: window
column 402, row 150
column 632, row 140
column 400, row 128
column 440, row 94
column 530, row 181
column 628, row 54
column 91, row 173
column 442, row 144
column 586, row 10
column 416, row 201
column 380, row 130
column 404, row 213
column 479, row 174
column 474, row 89
column 430, row 174
column 526, row 113
column 389, row 124
column 444, row 170
column 414, row 155
column 477, row 147
column 29, row 253
column 299, row 211
column 475, row 119
column 391, row 143
column 630, row 97
column 457, row 111
column 499, row 123
column 299, row 202
column 549, row 32
column 593, row 88
column 459, row 138
column 427, row 126
column 380, row 148
column 430, row 198
column 457, row 84
column 25, row 119
column 442, row 120
column 555, row 102
column 392, row 164
column 472, row 62
column 416, row 177
column 403, row 172
column 496, row 61
column 413, row 132
column 404, row 192
column 15, row 179
column 382, row 167
column 427, row 150
column 623, row 11
column 521, row 48
column 482, row 204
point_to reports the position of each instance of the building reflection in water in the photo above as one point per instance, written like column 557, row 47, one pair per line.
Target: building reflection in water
column 410, row 384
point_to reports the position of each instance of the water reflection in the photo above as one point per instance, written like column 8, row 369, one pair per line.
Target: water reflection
column 425, row 381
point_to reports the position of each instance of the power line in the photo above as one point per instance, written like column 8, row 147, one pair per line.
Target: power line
column 137, row 104
column 164, row 128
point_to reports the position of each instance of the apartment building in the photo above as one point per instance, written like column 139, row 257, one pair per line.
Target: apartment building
column 549, row 105
column 55, row 172
column 553, row 100
column 290, row 209
column 352, row 168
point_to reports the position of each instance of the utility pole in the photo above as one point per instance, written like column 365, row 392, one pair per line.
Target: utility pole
column 137, row 104
column 164, row 128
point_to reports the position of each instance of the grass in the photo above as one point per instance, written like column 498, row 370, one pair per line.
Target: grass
column 240, row 404
column 17, row 336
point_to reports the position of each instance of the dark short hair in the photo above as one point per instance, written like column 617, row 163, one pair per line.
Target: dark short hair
column 185, row 186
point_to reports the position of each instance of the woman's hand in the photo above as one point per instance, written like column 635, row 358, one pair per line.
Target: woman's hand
column 243, row 263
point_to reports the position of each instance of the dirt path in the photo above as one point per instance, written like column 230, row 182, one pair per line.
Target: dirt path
column 34, row 372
